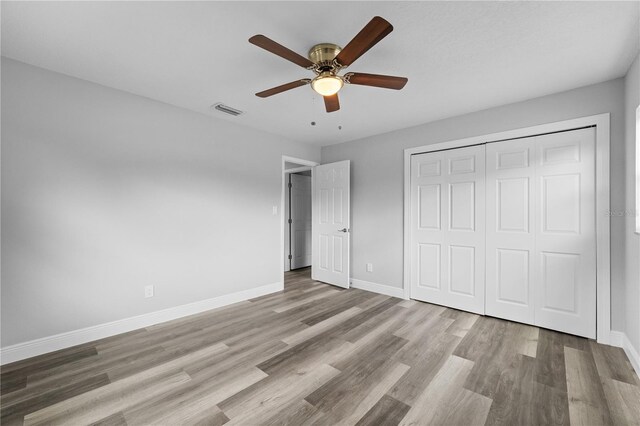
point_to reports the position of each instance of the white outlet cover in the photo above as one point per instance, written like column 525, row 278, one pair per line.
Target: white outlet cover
column 148, row 291
column 369, row 267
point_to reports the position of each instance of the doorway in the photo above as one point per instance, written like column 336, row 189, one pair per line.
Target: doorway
column 329, row 218
column 303, row 171
column 297, row 227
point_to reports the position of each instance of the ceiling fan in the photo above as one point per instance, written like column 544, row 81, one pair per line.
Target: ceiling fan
column 327, row 59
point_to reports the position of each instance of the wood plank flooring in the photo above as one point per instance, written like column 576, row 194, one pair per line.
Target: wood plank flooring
column 318, row 355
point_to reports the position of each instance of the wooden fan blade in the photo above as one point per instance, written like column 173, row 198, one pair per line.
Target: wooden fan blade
column 278, row 49
column 369, row 36
column 283, row 88
column 376, row 80
column 331, row 103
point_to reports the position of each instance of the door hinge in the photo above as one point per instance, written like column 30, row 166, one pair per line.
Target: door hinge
column 290, row 221
column 290, row 257
column 290, row 185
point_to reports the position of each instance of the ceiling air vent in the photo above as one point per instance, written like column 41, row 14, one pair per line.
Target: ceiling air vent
column 226, row 109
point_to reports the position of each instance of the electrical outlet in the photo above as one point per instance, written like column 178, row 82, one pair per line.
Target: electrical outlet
column 369, row 267
column 274, row 210
column 148, row 291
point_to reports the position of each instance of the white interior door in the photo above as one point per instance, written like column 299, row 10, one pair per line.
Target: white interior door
column 300, row 221
column 331, row 223
column 510, row 230
column 565, row 265
column 448, row 228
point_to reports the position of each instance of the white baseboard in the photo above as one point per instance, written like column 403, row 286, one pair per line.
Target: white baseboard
column 378, row 288
column 620, row 339
column 44, row 345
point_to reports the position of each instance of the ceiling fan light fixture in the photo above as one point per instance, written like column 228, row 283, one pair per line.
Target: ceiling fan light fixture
column 327, row 84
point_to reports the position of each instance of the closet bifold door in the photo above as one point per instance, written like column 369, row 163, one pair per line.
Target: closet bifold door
column 541, row 242
column 510, row 229
column 448, row 228
column 565, row 269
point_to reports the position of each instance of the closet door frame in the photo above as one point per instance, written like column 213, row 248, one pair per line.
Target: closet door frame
column 601, row 122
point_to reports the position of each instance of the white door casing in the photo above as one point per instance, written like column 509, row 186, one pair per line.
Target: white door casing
column 448, row 228
column 300, row 221
column 331, row 223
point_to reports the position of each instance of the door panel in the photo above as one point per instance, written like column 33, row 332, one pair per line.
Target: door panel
column 429, row 266
column 512, row 276
column 561, row 203
column 462, row 270
column 429, row 199
column 447, row 222
column 462, row 208
column 331, row 229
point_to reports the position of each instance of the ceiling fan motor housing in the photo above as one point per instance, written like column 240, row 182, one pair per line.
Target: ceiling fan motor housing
column 323, row 55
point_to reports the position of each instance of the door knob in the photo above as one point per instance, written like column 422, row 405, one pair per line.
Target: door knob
column 343, row 230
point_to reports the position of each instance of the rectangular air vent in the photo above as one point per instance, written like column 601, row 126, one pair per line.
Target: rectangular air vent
column 226, row 109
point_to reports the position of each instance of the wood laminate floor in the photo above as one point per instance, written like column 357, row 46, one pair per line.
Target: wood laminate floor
column 314, row 354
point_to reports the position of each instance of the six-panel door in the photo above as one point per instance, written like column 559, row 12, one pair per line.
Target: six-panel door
column 447, row 221
column 331, row 223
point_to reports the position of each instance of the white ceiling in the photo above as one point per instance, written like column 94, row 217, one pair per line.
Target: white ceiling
column 459, row 56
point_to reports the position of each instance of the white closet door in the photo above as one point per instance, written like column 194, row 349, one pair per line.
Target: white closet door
column 448, row 224
column 510, row 230
column 541, row 242
column 565, row 270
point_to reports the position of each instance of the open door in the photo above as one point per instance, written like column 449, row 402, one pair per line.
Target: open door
column 331, row 223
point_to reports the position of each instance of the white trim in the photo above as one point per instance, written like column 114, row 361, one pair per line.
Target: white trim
column 298, row 169
column 56, row 342
column 603, row 237
column 637, row 171
column 378, row 288
column 620, row 339
column 616, row 338
column 307, row 165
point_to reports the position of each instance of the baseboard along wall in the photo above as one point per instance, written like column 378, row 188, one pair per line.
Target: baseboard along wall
column 620, row 339
column 378, row 288
column 56, row 342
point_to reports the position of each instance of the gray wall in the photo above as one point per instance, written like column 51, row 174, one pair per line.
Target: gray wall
column 104, row 192
column 632, row 310
column 377, row 175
